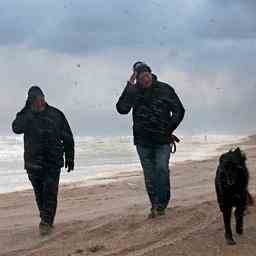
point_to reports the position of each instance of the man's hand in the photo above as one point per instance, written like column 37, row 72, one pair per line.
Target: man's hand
column 132, row 79
column 69, row 164
column 172, row 137
column 173, row 140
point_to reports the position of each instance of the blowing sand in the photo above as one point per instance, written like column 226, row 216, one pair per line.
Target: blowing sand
column 111, row 218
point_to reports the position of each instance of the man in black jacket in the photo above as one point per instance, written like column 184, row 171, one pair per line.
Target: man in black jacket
column 157, row 112
column 47, row 136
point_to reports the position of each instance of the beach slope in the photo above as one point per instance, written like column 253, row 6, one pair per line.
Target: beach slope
column 111, row 218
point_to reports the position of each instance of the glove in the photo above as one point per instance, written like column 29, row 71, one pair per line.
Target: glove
column 69, row 164
column 173, row 140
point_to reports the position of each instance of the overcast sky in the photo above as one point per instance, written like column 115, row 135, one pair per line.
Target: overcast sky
column 80, row 52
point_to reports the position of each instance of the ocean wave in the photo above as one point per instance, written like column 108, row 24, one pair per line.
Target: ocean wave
column 97, row 156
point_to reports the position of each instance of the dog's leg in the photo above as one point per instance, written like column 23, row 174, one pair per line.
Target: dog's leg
column 227, row 222
column 239, row 214
column 250, row 200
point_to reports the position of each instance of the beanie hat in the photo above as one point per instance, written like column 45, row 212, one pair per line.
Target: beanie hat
column 140, row 67
column 34, row 92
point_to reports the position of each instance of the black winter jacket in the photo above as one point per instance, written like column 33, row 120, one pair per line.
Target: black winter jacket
column 47, row 136
column 157, row 112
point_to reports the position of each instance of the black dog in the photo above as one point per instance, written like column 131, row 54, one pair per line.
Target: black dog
column 231, row 185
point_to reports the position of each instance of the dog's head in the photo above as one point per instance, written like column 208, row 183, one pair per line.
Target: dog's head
column 232, row 165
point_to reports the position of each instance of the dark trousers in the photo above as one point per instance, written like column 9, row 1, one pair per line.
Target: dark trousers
column 155, row 164
column 45, row 183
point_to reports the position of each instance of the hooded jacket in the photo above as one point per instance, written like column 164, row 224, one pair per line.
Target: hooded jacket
column 157, row 111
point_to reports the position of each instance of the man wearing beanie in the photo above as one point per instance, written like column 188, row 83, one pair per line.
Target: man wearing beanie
column 47, row 137
column 157, row 112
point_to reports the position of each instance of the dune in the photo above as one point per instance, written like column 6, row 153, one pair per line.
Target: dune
column 111, row 218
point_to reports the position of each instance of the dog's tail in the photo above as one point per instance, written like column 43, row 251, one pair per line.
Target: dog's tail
column 250, row 200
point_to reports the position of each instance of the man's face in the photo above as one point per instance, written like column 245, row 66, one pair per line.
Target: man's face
column 145, row 79
column 39, row 104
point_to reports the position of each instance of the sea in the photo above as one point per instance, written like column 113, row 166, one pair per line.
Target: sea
column 99, row 158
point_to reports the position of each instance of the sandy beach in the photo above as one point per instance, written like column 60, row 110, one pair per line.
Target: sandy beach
column 111, row 218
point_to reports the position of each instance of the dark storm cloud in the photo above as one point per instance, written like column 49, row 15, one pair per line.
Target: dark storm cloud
column 83, row 26
column 21, row 20
column 227, row 19
column 81, row 52
column 78, row 26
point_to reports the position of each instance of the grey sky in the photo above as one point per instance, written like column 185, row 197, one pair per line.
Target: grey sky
column 205, row 49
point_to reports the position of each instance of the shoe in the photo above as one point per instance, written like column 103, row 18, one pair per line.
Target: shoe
column 45, row 229
column 160, row 212
column 230, row 240
column 153, row 214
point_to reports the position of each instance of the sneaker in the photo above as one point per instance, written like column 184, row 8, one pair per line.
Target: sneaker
column 45, row 229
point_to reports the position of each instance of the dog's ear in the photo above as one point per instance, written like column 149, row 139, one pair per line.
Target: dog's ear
column 243, row 156
column 225, row 157
column 237, row 153
column 240, row 153
column 237, row 150
column 221, row 159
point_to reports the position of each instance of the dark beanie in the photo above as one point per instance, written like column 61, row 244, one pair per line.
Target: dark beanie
column 140, row 67
column 34, row 92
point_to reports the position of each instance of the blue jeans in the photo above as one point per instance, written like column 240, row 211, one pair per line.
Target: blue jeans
column 155, row 164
